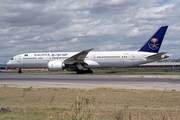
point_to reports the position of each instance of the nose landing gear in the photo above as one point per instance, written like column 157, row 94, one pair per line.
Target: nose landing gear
column 19, row 71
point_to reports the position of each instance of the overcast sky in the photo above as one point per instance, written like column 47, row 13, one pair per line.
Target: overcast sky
column 76, row 25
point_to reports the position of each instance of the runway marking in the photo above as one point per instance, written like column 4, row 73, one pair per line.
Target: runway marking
column 131, row 76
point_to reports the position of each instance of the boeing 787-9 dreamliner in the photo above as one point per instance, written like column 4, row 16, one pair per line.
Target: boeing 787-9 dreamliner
column 85, row 61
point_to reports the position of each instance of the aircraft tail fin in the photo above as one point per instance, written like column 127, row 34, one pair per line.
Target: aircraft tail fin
column 7, row 69
column 154, row 43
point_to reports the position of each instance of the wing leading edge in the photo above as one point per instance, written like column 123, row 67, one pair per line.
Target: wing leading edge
column 77, row 58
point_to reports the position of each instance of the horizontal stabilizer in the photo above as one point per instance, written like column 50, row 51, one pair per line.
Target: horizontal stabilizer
column 157, row 56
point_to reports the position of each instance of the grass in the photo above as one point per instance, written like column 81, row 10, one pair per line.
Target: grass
column 91, row 104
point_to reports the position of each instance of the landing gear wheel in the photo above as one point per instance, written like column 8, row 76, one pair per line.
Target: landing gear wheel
column 19, row 71
column 80, row 71
column 90, row 71
column 83, row 71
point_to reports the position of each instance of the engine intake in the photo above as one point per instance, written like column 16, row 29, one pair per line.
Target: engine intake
column 55, row 65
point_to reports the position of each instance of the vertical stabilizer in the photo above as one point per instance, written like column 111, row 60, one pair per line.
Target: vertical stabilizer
column 154, row 43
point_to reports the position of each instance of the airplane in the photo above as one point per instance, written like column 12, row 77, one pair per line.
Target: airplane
column 3, row 68
column 85, row 61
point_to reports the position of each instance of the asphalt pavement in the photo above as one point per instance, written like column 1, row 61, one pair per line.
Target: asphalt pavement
column 90, row 81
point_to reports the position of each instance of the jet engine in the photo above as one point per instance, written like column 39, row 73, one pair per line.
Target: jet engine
column 55, row 65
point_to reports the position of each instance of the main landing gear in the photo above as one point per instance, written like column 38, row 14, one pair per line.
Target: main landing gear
column 19, row 71
column 84, row 71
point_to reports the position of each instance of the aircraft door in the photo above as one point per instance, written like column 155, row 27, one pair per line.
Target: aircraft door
column 93, row 56
column 132, row 56
column 19, row 58
column 48, row 58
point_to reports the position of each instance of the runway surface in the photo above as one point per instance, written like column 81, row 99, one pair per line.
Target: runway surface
column 122, row 81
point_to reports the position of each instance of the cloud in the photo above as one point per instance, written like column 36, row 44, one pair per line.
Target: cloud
column 50, row 25
column 74, row 40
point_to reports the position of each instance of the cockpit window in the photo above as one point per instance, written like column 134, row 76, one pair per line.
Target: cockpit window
column 11, row 58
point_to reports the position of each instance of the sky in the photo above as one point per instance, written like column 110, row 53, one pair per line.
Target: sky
column 28, row 26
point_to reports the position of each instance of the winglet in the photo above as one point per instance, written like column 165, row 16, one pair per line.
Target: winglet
column 154, row 43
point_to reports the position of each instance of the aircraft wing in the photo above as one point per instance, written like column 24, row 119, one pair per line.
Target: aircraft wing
column 157, row 56
column 79, row 57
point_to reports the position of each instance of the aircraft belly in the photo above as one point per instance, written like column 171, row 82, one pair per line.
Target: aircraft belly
column 92, row 64
column 112, row 63
column 35, row 64
column 120, row 63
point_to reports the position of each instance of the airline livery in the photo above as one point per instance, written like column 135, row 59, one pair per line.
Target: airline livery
column 84, row 61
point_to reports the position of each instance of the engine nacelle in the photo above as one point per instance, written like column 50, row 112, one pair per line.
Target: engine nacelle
column 55, row 65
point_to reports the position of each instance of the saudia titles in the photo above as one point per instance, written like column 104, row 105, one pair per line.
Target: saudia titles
column 153, row 44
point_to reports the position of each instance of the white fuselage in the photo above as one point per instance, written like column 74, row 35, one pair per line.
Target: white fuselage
column 93, row 59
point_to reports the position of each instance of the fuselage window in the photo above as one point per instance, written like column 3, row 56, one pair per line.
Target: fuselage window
column 29, row 58
column 59, row 57
column 11, row 58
